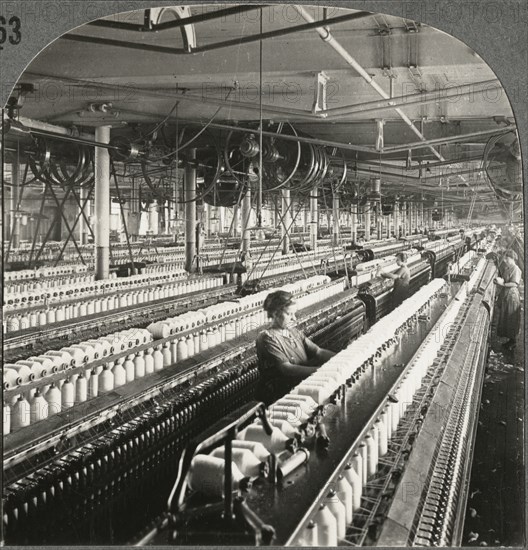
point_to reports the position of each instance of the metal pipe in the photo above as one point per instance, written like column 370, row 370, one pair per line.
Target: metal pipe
column 353, row 222
column 286, row 219
column 327, row 37
column 102, row 205
column 314, row 218
column 246, row 213
column 420, row 98
column 15, row 194
column 285, row 137
column 335, row 212
column 397, row 219
column 181, row 95
column 282, row 32
column 190, row 213
column 153, row 217
column 450, row 139
column 173, row 24
column 366, row 217
column 217, row 45
column 33, row 124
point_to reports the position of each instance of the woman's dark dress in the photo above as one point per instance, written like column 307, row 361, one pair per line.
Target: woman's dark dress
column 509, row 317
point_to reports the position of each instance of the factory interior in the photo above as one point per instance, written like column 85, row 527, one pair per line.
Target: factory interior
column 165, row 170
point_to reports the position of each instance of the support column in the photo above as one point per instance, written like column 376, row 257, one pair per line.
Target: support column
column 153, row 217
column 335, row 212
column 314, row 219
column 353, row 222
column 397, row 220
column 221, row 219
column 206, row 219
column 190, row 212
column 246, row 214
column 166, row 217
column 286, row 220
column 235, row 219
column 81, row 222
column 366, row 217
column 405, row 218
column 379, row 223
column 15, row 215
column 102, row 205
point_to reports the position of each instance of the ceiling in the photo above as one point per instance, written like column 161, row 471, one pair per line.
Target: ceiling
column 144, row 77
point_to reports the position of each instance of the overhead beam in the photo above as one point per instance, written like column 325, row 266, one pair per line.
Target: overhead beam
column 327, row 37
column 216, row 45
column 420, row 98
column 208, row 16
column 449, row 139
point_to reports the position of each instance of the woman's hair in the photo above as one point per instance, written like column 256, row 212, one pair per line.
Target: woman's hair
column 277, row 301
column 511, row 254
column 401, row 256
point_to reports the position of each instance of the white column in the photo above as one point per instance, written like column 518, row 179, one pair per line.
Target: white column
column 153, row 218
column 366, row 217
column 286, row 220
column 335, row 212
column 102, row 205
column 314, row 218
column 190, row 212
column 245, row 221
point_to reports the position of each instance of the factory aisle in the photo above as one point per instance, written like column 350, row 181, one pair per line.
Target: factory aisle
column 495, row 509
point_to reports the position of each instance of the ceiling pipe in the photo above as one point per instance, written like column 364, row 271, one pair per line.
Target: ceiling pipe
column 327, row 37
column 424, row 166
column 51, row 128
column 450, row 139
column 420, row 98
column 182, row 96
column 217, row 45
column 119, row 25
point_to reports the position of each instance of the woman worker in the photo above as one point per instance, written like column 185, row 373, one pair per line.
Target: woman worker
column 401, row 277
column 509, row 319
column 286, row 356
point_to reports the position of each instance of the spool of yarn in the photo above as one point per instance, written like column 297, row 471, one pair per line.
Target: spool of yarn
column 63, row 359
column 309, row 535
column 346, row 496
column 78, row 355
column 38, row 407
column 47, row 363
column 339, row 512
column 21, row 413
column 355, row 481
column 326, row 526
column 68, row 394
column 274, row 443
column 24, row 372
column 54, row 399
column 256, row 448
column 11, row 378
column 206, row 475
column 287, row 462
column 245, row 460
column 7, row 419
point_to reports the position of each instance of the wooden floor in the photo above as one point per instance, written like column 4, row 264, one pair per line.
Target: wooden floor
column 495, row 513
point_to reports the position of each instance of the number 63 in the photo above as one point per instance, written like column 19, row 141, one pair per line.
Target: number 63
column 15, row 36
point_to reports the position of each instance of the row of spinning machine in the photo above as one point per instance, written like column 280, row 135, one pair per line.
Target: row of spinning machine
column 374, row 448
column 95, row 427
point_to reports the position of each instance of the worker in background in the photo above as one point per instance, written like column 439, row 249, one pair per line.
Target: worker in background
column 401, row 278
column 286, row 356
column 509, row 301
